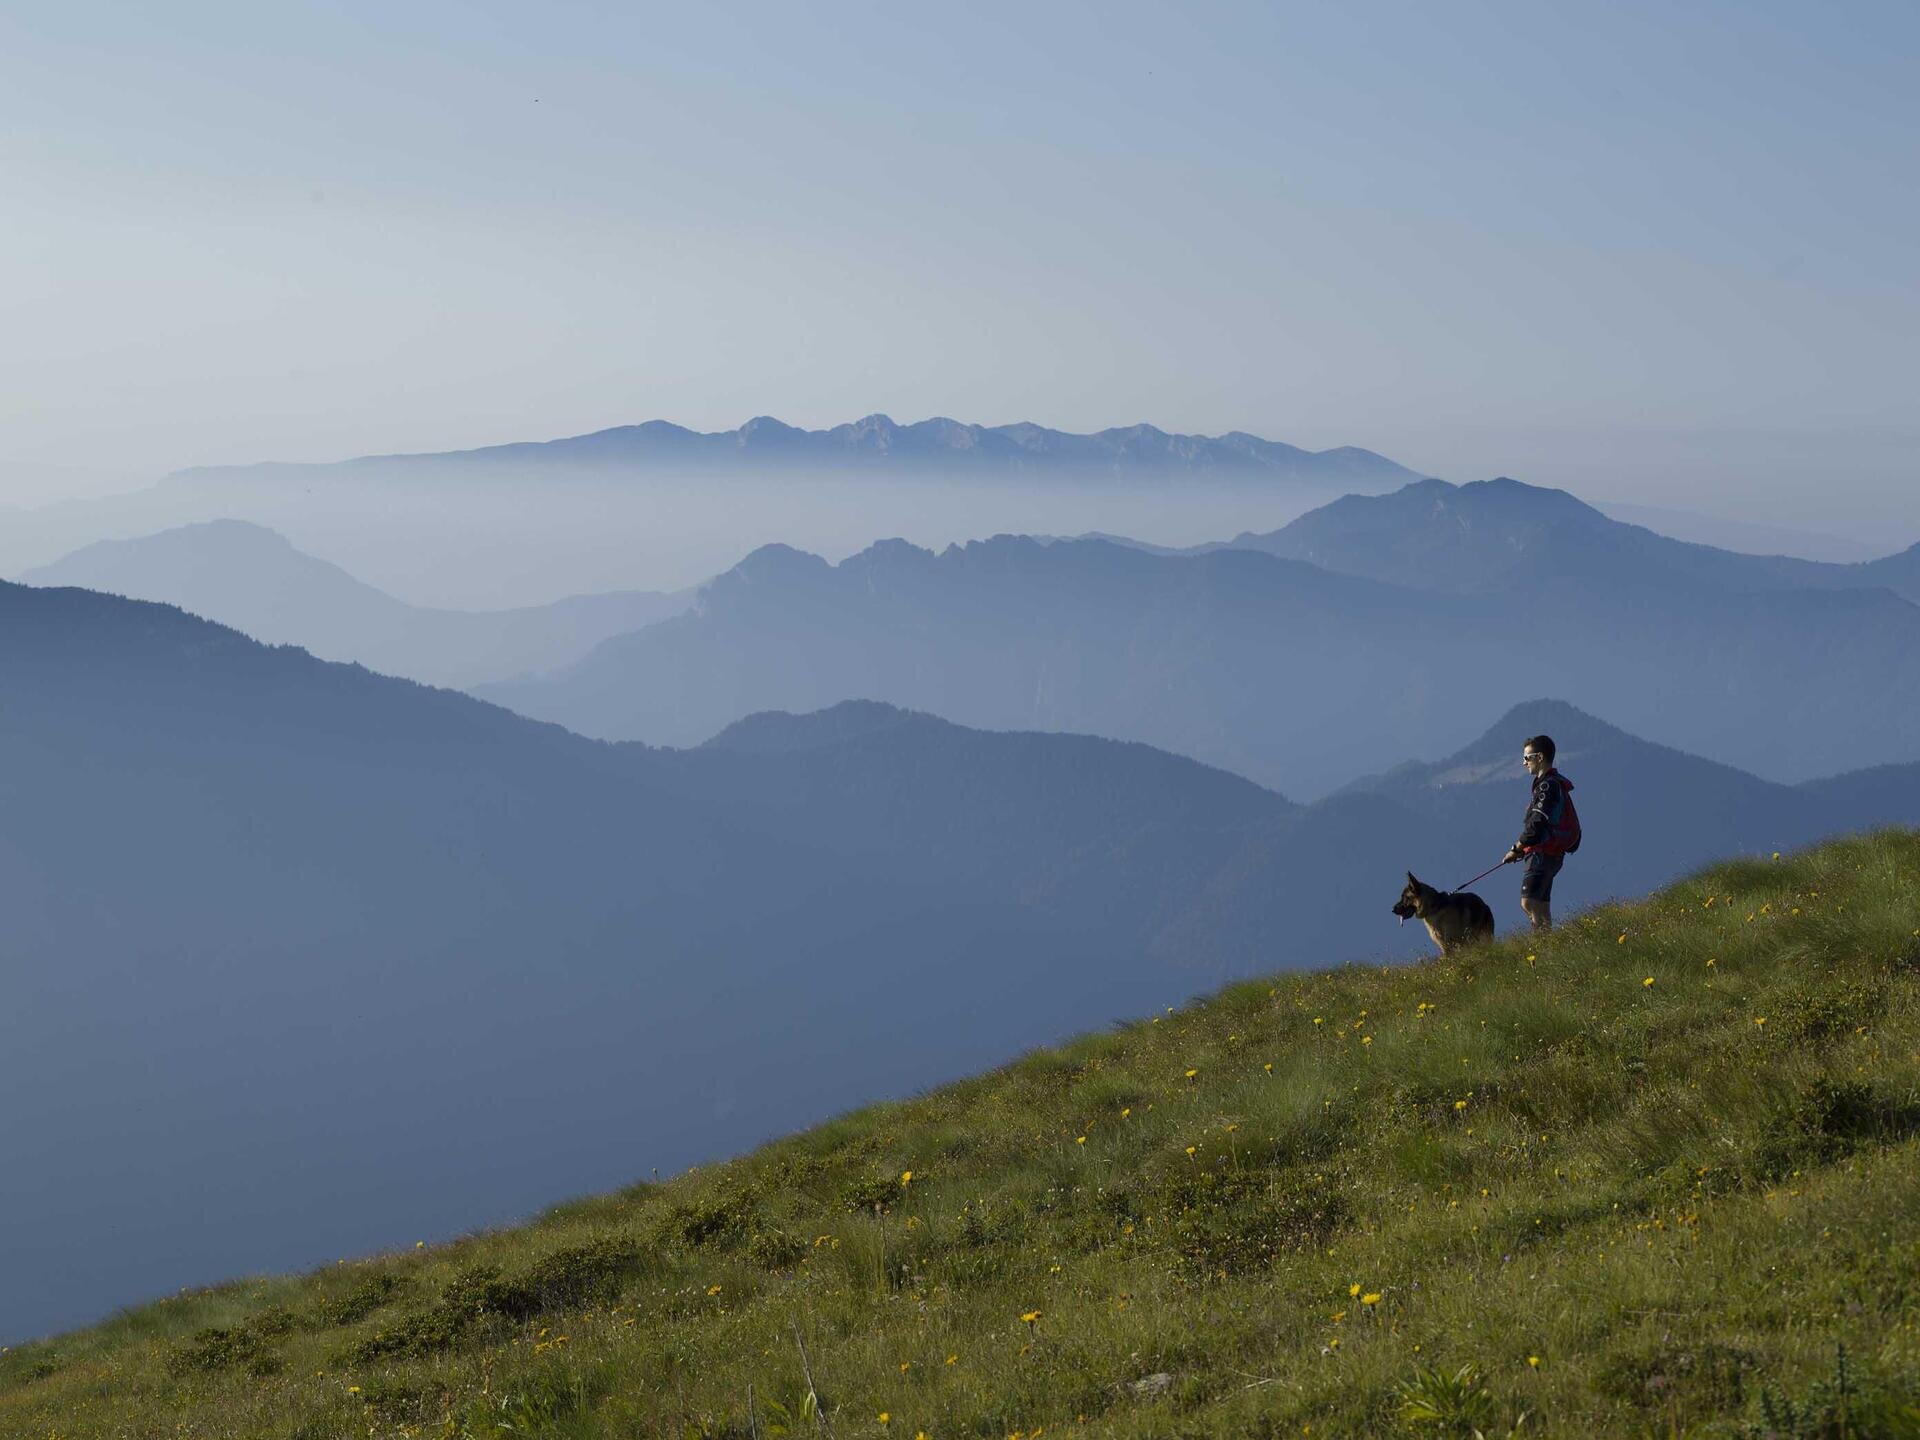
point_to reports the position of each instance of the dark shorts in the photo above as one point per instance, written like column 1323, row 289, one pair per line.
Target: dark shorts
column 1536, row 878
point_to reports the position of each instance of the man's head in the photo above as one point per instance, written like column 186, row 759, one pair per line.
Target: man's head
column 1537, row 755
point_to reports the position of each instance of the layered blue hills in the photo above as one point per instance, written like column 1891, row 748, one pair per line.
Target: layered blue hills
column 1371, row 628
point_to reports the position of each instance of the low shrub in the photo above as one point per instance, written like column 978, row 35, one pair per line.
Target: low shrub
column 875, row 1193
column 775, row 1249
column 720, row 1220
column 374, row 1292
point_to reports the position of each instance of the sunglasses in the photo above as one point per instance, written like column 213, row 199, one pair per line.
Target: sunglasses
column 1529, row 757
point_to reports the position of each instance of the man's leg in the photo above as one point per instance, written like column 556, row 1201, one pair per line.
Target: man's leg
column 1536, row 889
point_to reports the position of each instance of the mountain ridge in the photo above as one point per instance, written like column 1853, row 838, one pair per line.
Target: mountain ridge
column 935, row 445
column 1502, row 535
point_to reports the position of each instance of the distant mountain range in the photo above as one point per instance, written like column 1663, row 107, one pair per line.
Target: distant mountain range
column 1388, row 623
column 318, row 961
column 253, row 579
column 659, row 507
column 936, row 447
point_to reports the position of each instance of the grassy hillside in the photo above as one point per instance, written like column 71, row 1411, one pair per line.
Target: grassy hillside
column 1657, row 1175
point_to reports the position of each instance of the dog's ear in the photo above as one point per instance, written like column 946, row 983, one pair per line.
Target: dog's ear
column 1410, row 879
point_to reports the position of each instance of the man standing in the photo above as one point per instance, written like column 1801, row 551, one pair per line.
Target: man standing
column 1548, row 834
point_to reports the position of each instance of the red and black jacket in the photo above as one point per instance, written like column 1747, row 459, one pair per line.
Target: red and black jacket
column 1551, row 826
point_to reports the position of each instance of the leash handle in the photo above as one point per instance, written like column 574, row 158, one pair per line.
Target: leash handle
column 1481, row 876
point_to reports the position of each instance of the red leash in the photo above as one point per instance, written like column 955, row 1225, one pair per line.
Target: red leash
column 1482, row 875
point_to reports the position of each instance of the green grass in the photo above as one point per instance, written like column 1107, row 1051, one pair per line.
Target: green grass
column 1525, row 1192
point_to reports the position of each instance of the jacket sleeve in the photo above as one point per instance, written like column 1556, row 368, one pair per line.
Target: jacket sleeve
column 1541, row 813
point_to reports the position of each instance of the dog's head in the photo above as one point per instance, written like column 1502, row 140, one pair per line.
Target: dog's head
column 1414, row 899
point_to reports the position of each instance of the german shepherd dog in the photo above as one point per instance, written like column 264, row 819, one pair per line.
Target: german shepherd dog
column 1452, row 920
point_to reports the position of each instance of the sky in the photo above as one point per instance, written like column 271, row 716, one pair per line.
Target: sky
column 1654, row 253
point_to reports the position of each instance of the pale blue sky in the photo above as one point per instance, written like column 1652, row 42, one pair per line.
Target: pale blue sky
column 1654, row 252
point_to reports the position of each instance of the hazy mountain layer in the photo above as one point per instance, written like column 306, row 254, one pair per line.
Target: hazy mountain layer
column 247, row 576
column 1275, row 668
column 316, row 961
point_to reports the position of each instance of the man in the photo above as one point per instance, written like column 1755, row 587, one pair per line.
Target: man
column 1549, row 832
